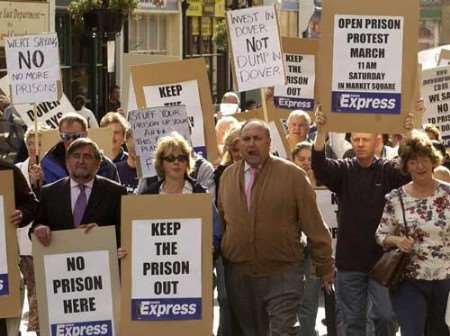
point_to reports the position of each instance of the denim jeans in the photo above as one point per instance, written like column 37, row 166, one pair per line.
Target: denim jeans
column 353, row 292
column 415, row 301
column 265, row 305
column 309, row 305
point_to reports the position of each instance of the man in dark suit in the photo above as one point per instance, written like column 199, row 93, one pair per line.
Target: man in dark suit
column 81, row 200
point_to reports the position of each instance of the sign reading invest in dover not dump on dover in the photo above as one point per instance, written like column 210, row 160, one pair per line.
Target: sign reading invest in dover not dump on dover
column 256, row 47
column 33, row 67
column 367, row 64
column 167, row 269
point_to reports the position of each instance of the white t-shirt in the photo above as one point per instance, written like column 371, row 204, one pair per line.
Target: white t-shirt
column 90, row 117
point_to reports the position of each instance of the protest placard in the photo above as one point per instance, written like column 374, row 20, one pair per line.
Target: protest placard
column 300, row 64
column 48, row 113
column 179, row 83
column 255, row 47
column 327, row 203
column 436, row 94
column 126, row 85
column 101, row 136
column 278, row 144
column 149, row 125
column 166, row 278
column 33, row 68
column 366, row 56
column 77, row 283
column 10, row 302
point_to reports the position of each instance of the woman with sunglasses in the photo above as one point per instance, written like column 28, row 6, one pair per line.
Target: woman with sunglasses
column 173, row 163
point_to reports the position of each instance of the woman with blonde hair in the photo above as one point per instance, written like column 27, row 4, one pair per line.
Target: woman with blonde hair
column 416, row 219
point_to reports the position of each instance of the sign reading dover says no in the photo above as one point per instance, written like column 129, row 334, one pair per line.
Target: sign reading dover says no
column 255, row 42
column 33, row 67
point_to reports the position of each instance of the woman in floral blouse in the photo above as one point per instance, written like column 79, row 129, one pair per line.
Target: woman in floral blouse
column 426, row 287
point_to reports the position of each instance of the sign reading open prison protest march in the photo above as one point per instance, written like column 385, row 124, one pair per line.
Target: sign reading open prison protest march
column 300, row 64
column 367, row 64
column 179, row 83
column 327, row 203
column 436, row 95
column 77, row 283
column 10, row 302
column 166, row 278
column 33, row 68
column 48, row 113
column 256, row 47
column 149, row 125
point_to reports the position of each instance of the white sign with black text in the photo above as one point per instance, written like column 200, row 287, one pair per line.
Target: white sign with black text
column 149, row 125
column 256, row 47
column 33, row 67
column 79, row 293
column 436, row 95
column 327, row 203
column 367, row 64
column 298, row 93
column 167, row 269
column 182, row 93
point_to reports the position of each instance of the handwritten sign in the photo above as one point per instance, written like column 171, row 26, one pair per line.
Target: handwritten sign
column 298, row 93
column 4, row 287
column 33, row 67
column 256, row 47
column 367, row 64
column 436, row 94
column 149, row 125
column 167, row 269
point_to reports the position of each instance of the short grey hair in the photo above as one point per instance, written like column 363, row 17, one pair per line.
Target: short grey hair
column 299, row 114
column 258, row 122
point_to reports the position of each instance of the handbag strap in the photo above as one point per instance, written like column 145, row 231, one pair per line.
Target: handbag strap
column 403, row 211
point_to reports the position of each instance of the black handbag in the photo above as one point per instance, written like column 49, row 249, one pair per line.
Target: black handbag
column 390, row 269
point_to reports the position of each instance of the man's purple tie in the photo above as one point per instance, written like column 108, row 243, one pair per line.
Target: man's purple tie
column 80, row 206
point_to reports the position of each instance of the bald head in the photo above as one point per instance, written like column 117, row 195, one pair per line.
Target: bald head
column 255, row 142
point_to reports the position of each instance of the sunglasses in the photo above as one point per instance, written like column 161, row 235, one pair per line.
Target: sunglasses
column 70, row 136
column 173, row 158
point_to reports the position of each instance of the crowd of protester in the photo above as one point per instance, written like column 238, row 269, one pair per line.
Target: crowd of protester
column 272, row 249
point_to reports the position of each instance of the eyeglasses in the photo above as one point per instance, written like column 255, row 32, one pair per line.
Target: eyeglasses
column 71, row 136
column 173, row 158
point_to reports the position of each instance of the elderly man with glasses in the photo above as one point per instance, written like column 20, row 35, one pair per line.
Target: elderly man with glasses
column 71, row 127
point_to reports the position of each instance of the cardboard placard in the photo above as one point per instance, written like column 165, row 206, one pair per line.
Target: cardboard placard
column 148, row 222
column 10, row 301
column 77, row 282
column 327, row 203
column 33, row 68
column 125, row 76
column 180, row 83
column 101, row 136
column 149, row 125
column 253, row 114
column 301, row 47
column 255, row 47
column 366, row 56
column 436, row 94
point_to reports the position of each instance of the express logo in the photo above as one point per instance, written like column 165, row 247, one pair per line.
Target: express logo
column 100, row 328
column 167, row 309
column 364, row 103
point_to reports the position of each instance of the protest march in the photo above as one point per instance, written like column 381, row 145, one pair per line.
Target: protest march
column 306, row 194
